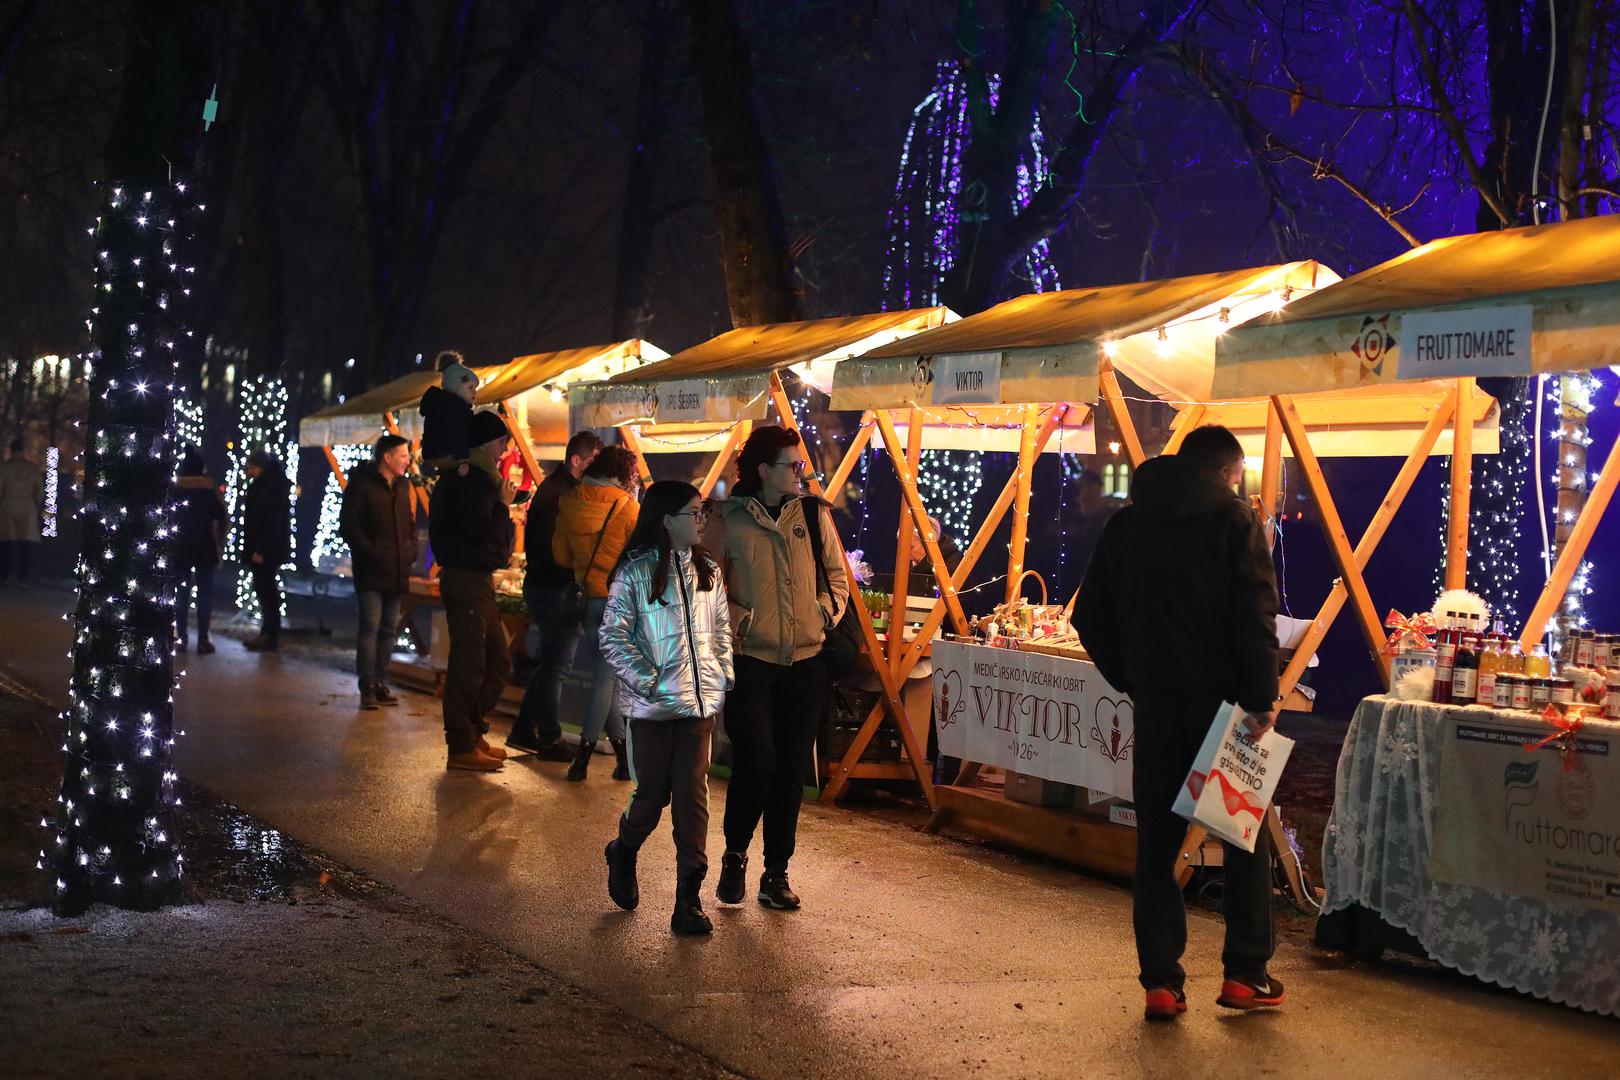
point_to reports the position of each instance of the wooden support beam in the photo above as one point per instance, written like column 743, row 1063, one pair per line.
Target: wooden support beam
column 1371, row 537
column 1462, row 474
column 524, row 449
column 852, row 453
column 337, row 470
column 1186, row 421
column 1108, row 384
column 728, row 450
column 1573, row 550
column 1024, row 474
column 1271, row 472
column 631, row 435
column 919, row 519
column 1372, row 627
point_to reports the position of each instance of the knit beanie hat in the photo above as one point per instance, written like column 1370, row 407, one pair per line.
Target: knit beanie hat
column 454, row 374
column 487, row 426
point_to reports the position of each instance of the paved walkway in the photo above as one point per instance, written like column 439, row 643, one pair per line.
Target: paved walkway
column 915, row 955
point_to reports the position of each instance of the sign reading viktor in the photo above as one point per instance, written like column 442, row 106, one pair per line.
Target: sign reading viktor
column 1044, row 716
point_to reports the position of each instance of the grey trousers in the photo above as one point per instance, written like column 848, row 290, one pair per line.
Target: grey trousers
column 669, row 762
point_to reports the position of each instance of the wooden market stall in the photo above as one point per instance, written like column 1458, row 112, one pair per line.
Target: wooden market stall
column 705, row 399
column 1432, row 839
column 1072, row 347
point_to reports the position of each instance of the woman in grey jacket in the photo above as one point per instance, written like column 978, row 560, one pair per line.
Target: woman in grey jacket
column 666, row 633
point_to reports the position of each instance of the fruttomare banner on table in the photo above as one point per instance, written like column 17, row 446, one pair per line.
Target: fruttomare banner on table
column 1047, row 716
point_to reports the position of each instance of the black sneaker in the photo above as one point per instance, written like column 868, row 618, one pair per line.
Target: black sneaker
column 733, row 884
column 368, row 698
column 1244, row 994
column 774, row 891
column 384, row 695
column 524, row 742
column 689, row 920
column 622, row 885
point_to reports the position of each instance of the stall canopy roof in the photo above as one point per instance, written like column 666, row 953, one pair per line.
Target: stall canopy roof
column 525, row 373
column 778, row 345
column 1049, row 343
column 1349, row 334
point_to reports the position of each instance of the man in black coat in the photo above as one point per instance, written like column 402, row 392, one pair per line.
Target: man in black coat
column 199, row 543
column 266, row 542
column 545, row 586
column 470, row 530
column 377, row 524
column 1179, row 609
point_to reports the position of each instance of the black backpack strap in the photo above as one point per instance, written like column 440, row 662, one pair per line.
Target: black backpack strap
column 811, row 507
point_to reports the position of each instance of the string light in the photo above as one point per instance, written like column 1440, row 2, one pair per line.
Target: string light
column 53, row 469
column 262, row 424
column 329, row 546
column 107, row 840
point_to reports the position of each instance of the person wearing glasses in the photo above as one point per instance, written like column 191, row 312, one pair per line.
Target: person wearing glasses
column 784, row 597
column 666, row 634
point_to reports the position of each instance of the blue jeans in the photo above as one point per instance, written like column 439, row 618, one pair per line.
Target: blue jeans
column 379, row 629
column 559, row 642
column 604, row 707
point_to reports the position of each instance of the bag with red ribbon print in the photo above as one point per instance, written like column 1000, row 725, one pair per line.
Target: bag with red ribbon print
column 1233, row 779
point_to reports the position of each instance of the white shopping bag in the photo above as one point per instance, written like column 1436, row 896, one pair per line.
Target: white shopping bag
column 1233, row 779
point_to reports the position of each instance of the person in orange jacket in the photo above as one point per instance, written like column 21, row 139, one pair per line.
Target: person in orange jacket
column 594, row 521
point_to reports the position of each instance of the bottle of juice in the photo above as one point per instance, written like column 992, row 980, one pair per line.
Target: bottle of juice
column 1465, row 673
column 1490, row 666
column 1445, row 656
column 1538, row 665
column 1515, row 659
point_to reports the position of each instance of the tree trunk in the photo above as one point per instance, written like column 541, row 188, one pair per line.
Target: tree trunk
column 753, row 240
column 111, row 843
column 638, row 215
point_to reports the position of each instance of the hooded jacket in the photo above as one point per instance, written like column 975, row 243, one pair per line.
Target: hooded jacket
column 446, row 425
column 584, row 514
column 377, row 524
column 779, row 612
column 267, row 519
column 469, row 527
column 1181, row 595
column 672, row 655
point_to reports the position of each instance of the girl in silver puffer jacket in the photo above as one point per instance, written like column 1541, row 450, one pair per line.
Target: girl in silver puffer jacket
column 666, row 634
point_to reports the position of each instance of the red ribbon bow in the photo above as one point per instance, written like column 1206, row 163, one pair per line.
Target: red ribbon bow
column 1569, row 725
column 1418, row 628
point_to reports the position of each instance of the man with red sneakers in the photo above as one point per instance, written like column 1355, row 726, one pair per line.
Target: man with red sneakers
column 1179, row 609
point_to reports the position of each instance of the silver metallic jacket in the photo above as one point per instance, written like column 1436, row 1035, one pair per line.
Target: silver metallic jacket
column 672, row 655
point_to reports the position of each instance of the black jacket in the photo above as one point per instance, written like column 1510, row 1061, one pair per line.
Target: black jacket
column 266, row 521
column 377, row 524
column 1181, row 595
column 543, row 571
column 446, row 425
column 199, row 527
column 468, row 525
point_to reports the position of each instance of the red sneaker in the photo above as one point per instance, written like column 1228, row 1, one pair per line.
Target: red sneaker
column 1164, row 1004
column 1246, row 994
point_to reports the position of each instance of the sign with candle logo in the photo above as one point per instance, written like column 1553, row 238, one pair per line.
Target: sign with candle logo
column 966, row 379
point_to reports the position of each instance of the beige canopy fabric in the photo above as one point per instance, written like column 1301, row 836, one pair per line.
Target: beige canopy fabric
column 361, row 417
column 1561, row 282
column 726, row 379
column 1048, row 345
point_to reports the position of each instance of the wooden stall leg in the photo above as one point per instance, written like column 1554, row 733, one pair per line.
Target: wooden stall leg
column 919, row 519
column 734, row 439
column 1271, row 472
column 1372, row 627
column 1186, row 421
column 337, row 469
column 852, row 453
column 1573, row 551
column 1462, row 471
column 521, row 437
column 1024, row 473
column 632, row 439
column 1108, row 384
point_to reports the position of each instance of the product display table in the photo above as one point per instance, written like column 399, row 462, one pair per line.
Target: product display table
column 1379, row 839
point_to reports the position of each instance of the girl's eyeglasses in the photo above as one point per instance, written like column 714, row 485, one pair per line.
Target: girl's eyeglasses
column 700, row 515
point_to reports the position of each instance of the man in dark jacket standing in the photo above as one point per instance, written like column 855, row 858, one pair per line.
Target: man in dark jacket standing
column 1179, row 609
column 545, row 586
column 199, row 543
column 266, row 542
column 470, row 529
column 378, row 526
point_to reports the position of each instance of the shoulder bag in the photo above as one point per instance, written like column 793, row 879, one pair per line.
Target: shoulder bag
column 573, row 599
column 842, row 647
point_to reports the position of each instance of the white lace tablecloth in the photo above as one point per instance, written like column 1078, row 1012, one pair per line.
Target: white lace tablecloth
column 1376, row 854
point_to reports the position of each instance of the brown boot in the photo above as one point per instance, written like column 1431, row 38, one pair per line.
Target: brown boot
column 473, row 761
column 488, row 750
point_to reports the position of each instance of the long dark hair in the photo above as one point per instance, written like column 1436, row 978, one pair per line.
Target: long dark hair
column 760, row 448
column 665, row 497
